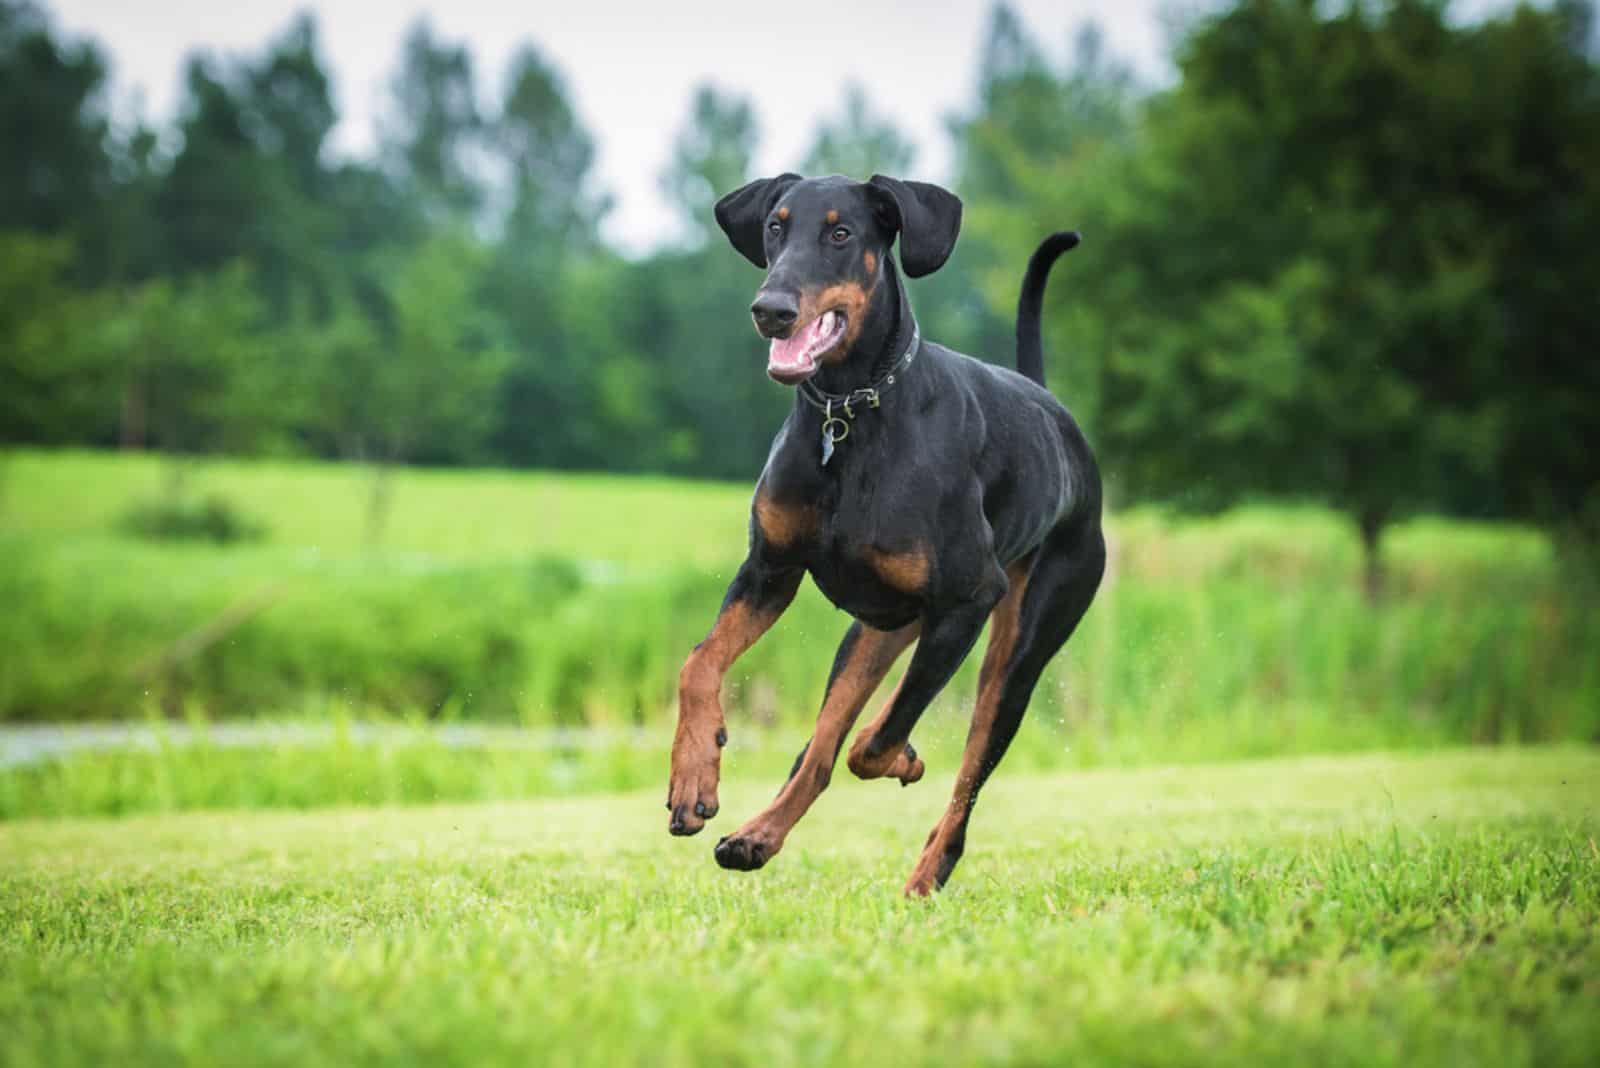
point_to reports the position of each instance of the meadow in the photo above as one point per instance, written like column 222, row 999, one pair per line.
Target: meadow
column 1421, row 909
column 455, row 851
column 570, row 600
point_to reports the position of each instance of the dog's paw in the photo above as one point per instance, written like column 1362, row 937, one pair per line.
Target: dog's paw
column 902, row 763
column 692, row 792
column 908, row 767
column 744, row 852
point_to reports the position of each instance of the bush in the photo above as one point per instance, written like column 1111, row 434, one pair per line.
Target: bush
column 211, row 517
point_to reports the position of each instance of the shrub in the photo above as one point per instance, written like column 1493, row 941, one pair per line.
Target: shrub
column 211, row 517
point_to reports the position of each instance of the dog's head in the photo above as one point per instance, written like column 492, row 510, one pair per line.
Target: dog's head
column 824, row 242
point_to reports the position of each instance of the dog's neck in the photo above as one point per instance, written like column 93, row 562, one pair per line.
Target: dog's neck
column 882, row 340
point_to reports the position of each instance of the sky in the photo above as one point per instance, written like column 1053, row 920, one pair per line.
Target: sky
column 631, row 67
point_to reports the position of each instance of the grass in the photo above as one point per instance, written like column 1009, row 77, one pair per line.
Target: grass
column 440, row 515
column 571, row 600
column 318, row 762
column 1410, row 910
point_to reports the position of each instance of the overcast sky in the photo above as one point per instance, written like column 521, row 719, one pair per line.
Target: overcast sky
column 631, row 67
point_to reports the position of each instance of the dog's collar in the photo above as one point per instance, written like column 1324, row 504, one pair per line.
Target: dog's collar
column 828, row 403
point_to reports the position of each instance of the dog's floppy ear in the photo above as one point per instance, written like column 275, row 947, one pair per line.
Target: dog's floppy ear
column 742, row 214
column 927, row 217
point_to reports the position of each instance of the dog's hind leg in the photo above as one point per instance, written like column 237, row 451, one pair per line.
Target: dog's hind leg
column 907, row 766
column 864, row 658
column 1038, row 615
column 946, row 639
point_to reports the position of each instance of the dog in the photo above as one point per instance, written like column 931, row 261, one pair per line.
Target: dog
column 924, row 491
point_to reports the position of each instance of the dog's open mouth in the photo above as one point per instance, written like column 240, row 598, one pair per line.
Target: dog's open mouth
column 795, row 358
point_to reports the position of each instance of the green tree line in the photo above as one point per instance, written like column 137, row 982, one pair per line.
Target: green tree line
column 1350, row 254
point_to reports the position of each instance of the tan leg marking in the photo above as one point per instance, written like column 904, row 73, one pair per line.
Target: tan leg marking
column 1004, row 625
column 702, row 731
column 874, row 654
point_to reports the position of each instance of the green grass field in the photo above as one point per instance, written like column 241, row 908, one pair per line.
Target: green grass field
column 389, row 897
column 571, row 600
column 1408, row 910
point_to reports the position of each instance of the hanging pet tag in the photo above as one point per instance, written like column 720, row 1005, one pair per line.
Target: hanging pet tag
column 834, row 430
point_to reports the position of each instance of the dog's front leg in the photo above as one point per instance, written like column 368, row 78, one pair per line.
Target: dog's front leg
column 758, row 596
column 864, row 658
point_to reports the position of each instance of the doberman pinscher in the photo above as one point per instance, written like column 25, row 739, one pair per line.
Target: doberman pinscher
column 924, row 491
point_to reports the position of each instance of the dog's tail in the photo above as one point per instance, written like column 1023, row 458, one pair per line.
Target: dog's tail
column 1030, row 349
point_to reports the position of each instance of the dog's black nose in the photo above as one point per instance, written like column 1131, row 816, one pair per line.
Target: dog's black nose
column 774, row 311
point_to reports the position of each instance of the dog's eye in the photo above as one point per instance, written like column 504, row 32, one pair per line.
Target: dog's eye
column 774, row 228
column 840, row 235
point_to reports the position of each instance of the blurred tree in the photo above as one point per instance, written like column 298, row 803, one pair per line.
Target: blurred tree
column 858, row 143
column 1537, row 170
column 432, row 138
column 249, row 184
column 289, row 110
column 1025, row 156
column 192, row 366
column 1307, row 293
column 55, row 171
column 687, row 318
column 711, row 155
column 52, row 382
column 422, row 389
column 548, row 160
column 550, row 228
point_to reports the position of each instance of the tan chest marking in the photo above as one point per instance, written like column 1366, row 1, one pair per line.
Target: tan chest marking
column 903, row 571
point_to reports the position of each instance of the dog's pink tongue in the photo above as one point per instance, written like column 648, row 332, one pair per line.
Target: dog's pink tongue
column 789, row 353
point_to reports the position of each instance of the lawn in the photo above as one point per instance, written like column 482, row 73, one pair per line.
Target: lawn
column 1381, row 909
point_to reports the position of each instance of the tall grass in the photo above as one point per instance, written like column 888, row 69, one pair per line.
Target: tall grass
column 570, row 601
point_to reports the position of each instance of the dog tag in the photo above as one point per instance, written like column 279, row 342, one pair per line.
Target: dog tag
column 834, row 430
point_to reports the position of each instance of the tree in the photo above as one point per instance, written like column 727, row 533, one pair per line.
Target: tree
column 1026, row 154
column 52, row 381
column 55, row 172
column 431, row 140
column 716, row 410
column 249, row 184
column 193, row 367
column 549, row 233
column 548, row 159
column 424, row 387
column 711, row 155
column 1539, row 173
column 858, row 143
column 1323, row 206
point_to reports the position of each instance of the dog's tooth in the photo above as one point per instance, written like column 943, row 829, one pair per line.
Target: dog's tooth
column 827, row 322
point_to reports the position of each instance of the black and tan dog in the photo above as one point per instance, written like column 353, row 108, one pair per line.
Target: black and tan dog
column 925, row 492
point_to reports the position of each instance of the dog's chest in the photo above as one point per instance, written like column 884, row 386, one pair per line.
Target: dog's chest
column 866, row 556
